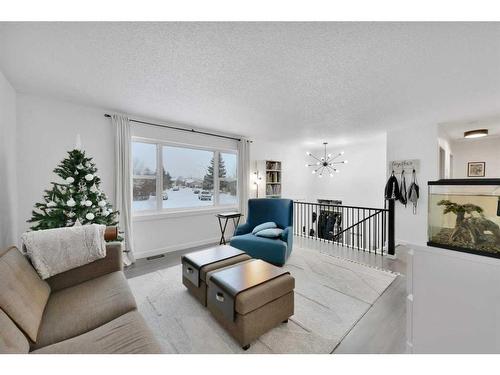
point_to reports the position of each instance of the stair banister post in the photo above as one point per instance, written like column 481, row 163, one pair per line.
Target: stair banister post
column 391, row 241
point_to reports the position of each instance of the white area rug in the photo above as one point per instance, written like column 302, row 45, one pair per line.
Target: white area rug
column 331, row 295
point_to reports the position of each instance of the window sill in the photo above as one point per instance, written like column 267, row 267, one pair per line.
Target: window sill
column 161, row 215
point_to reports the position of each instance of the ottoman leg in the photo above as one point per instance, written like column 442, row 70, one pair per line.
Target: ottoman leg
column 246, row 347
column 285, row 321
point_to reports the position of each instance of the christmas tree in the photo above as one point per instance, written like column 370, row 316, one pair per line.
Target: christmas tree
column 208, row 179
column 78, row 199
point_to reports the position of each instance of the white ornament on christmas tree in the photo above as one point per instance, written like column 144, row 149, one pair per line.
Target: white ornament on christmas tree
column 89, row 177
column 88, row 203
column 102, row 203
column 51, row 204
column 79, row 166
column 71, row 202
column 70, row 180
column 89, row 216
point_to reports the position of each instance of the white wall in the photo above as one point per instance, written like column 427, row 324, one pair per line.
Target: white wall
column 481, row 149
column 416, row 141
column 360, row 182
column 47, row 129
column 8, row 179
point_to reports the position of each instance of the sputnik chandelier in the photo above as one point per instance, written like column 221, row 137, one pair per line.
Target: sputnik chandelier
column 325, row 164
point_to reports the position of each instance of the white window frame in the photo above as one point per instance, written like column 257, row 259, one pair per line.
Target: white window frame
column 159, row 211
column 234, row 152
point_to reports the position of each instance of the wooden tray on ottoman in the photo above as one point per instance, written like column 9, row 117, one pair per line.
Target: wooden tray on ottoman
column 250, row 298
column 195, row 267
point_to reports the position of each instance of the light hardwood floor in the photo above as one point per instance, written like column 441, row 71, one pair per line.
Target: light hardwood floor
column 382, row 329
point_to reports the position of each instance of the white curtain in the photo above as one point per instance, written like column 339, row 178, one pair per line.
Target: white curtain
column 123, row 182
column 244, row 175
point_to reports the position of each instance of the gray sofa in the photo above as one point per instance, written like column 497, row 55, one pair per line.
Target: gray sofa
column 89, row 309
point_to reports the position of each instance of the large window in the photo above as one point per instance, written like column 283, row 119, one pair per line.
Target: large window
column 186, row 178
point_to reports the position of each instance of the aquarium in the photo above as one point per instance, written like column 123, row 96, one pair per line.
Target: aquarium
column 464, row 215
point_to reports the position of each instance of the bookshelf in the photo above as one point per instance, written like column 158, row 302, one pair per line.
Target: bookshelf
column 272, row 170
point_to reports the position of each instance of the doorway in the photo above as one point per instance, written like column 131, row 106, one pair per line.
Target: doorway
column 442, row 163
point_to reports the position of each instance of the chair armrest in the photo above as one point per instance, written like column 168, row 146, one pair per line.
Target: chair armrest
column 112, row 262
column 242, row 229
column 287, row 236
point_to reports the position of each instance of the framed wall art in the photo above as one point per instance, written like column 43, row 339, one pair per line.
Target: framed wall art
column 476, row 169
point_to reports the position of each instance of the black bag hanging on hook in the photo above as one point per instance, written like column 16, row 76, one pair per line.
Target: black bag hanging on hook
column 414, row 192
column 392, row 188
column 402, row 196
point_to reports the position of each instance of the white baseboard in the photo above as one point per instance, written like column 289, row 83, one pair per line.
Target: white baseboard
column 176, row 247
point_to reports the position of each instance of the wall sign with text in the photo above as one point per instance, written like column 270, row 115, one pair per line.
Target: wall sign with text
column 407, row 165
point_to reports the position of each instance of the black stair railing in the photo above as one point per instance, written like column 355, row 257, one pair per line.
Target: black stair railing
column 362, row 228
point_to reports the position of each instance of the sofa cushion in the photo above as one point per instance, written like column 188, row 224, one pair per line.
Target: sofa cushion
column 266, row 225
column 23, row 294
column 12, row 340
column 84, row 307
column 270, row 233
column 111, row 263
column 127, row 334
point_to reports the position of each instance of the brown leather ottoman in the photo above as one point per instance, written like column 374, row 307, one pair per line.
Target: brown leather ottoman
column 250, row 298
column 195, row 267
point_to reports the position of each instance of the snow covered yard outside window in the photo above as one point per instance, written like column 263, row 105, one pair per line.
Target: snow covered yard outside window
column 186, row 177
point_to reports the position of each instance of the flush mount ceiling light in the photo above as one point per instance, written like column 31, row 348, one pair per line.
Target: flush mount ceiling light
column 476, row 133
column 325, row 164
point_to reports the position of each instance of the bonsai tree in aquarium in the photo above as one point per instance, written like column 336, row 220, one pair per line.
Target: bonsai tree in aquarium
column 470, row 224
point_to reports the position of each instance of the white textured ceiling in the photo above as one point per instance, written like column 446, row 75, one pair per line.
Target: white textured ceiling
column 455, row 130
column 308, row 81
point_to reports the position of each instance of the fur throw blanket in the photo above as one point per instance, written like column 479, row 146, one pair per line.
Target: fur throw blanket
column 53, row 251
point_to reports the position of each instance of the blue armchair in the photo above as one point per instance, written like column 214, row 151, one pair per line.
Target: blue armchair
column 275, row 251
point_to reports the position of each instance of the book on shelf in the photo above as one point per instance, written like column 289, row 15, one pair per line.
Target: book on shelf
column 273, row 177
column 273, row 190
column 273, row 165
